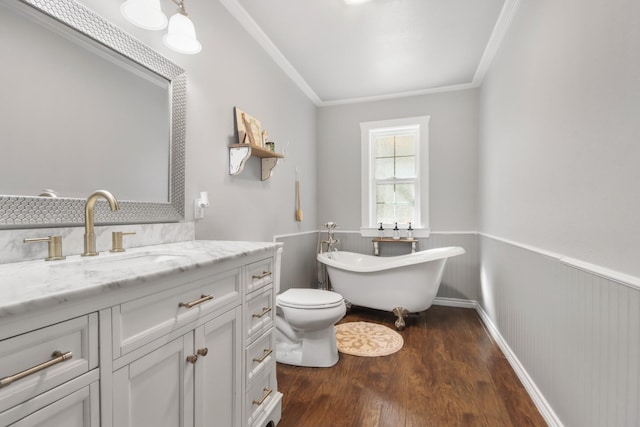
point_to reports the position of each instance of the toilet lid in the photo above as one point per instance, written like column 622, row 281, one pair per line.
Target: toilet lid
column 308, row 298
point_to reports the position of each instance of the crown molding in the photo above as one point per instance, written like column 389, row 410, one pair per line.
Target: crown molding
column 495, row 40
column 252, row 27
column 429, row 91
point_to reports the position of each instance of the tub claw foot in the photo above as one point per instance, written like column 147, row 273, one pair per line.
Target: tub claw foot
column 401, row 313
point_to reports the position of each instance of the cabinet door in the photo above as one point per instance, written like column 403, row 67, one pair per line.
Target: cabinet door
column 157, row 389
column 219, row 373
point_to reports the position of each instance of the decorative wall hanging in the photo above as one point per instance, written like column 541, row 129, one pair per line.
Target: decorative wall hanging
column 248, row 128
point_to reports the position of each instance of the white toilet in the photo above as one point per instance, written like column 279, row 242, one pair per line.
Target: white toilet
column 305, row 333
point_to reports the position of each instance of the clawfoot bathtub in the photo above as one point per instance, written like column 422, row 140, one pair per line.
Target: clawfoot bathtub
column 401, row 284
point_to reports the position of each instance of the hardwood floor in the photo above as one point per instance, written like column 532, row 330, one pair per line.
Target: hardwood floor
column 449, row 373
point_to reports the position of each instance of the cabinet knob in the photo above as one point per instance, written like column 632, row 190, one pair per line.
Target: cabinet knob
column 203, row 351
column 192, row 358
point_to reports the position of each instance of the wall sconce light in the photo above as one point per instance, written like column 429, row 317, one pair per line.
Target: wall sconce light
column 147, row 14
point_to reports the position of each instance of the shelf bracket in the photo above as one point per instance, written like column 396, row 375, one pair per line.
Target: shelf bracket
column 237, row 158
column 268, row 163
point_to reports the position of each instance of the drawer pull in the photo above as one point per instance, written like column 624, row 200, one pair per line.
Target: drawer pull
column 267, row 392
column 266, row 354
column 263, row 275
column 265, row 311
column 192, row 304
column 192, row 359
column 203, row 351
column 58, row 357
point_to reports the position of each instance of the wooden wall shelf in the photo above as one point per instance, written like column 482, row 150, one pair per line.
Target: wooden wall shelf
column 239, row 153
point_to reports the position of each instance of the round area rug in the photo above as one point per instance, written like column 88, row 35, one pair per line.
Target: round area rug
column 367, row 339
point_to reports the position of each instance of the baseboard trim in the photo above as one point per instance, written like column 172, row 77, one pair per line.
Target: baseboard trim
column 454, row 302
column 536, row 395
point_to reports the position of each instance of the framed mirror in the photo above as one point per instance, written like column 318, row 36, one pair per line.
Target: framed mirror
column 113, row 118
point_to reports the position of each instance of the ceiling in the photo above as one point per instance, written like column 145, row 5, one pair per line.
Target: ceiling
column 339, row 53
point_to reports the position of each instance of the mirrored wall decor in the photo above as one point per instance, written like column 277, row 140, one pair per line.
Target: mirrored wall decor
column 125, row 132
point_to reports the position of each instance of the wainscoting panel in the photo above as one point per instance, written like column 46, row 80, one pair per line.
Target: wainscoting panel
column 517, row 293
column 461, row 275
column 575, row 333
column 597, row 350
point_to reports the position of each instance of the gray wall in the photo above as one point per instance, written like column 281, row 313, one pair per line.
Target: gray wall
column 299, row 267
column 560, row 131
column 453, row 134
column 233, row 70
column 558, row 180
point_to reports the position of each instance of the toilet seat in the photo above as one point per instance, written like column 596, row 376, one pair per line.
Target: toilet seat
column 309, row 299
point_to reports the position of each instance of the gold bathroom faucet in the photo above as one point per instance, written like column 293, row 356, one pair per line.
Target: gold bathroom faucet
column 89, row 235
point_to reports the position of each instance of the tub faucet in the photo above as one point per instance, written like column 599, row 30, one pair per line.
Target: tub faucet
column 330, row 240
column 89, row 235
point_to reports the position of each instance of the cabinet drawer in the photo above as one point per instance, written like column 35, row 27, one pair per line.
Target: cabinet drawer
column 145, row 319
column 37, row 361
column 261, row 356
column 75, row 403
column 260, row 274
column 259, row 314
column 260, row 395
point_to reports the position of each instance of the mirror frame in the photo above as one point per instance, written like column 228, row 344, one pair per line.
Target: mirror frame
column 30, row 212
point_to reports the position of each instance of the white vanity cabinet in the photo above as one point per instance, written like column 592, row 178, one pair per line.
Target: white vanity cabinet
column 189, row 344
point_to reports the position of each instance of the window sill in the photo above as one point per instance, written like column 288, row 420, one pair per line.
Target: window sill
column 388, row 232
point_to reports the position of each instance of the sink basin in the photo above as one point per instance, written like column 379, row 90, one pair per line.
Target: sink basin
column 119, row 261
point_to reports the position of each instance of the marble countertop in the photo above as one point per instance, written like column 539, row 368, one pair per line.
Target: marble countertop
column 32, row 285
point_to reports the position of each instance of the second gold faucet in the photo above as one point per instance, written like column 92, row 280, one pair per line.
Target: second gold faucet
column 89, row 234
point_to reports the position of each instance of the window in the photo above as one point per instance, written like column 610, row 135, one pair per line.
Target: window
column 394, row 175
